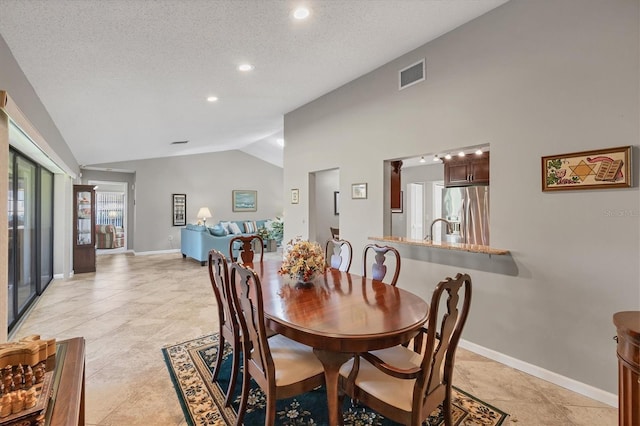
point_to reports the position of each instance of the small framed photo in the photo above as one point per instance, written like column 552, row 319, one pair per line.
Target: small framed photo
column 244, row 201
column 336, row 203
column 598, row 169
column 359, row 191
column 295, row 196
column 179, row 210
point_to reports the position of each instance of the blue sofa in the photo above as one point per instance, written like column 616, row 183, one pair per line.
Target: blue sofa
column 197, row 240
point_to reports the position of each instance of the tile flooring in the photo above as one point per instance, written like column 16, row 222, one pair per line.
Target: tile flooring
column 134, row 305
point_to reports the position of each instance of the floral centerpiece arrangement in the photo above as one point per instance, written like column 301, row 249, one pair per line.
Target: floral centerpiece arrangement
column 303, row 260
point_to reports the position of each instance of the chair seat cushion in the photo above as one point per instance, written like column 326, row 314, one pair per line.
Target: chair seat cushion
column 293, row 361
column 393, row 391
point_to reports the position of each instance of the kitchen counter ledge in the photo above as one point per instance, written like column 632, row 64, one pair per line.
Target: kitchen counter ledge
column 473, row 248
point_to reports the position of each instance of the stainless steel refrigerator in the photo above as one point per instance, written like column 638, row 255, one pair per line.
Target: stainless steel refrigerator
column 467, row 208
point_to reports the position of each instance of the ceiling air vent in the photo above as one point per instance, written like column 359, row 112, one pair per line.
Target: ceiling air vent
column 411, row 75
column 178, row 142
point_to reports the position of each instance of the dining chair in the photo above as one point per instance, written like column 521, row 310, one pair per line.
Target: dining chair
column 229, row 328
column 335, row 233
column 406, row 384
column 247, row 252
column 338, row 254
column 378, row 268
column 280, row 366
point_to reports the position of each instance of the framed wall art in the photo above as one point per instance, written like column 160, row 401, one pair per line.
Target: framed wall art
column 597, row 169
column 244, row 201
column 359, row 191
column 295, row 196
column 179, row 209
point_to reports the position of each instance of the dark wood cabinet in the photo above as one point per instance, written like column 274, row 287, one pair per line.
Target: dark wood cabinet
column 469, row 170
column 628, row 336
column 84, row 229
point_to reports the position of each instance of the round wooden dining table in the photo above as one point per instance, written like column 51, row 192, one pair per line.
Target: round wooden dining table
column 341, row 314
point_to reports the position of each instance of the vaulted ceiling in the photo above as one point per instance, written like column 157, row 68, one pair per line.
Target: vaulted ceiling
column 123, row 79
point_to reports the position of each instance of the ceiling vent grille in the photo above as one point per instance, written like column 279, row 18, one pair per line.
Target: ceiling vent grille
column 411, row 75
column 178, row 142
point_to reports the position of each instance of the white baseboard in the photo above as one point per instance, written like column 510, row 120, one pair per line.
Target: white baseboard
column 58, row 276
column 145, row 253
column 541, row 373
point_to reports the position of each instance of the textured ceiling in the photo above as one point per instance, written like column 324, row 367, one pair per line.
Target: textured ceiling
column 122, row 79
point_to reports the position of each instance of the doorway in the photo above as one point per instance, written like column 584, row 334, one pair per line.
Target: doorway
column 111, row 209
column 324, row 208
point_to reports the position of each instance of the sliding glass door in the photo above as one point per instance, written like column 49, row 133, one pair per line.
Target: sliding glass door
column 30, row 217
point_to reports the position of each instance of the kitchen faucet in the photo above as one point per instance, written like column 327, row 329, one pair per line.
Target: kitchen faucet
column 449, row 228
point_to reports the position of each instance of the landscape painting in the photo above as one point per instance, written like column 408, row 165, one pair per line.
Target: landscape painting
column 245, row 201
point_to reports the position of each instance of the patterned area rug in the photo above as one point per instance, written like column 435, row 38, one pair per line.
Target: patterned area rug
column 202, row 401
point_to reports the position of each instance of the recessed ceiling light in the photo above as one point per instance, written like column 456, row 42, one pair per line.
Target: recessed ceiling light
column 479, row 152
column 245, row 67
column 212, row 98
column 301, row 13
column 422, row 160
column 448, row 156
column 436, row 158
column 461, row 154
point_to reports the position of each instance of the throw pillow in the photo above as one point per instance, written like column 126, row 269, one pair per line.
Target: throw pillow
column 234, row 228
column 225, row 225
column 218, row 231
column 250, row 227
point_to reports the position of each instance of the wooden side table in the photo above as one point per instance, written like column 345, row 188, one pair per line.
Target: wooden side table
column 628, row 327
column 67, row 403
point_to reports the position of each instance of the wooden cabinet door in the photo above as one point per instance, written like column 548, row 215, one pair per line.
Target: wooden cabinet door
column 467, row 171
column 456, row 173
column 84, row 221
column 480, row 169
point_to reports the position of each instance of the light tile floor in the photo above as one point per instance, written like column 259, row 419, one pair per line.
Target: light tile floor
column 134, row 305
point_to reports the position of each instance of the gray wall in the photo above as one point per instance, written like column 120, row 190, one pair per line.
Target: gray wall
column 208, row 180
column 18, row 87
column 532, row 78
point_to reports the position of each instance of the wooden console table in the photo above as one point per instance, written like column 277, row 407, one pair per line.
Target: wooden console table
column 67, row 403
column 628, row 327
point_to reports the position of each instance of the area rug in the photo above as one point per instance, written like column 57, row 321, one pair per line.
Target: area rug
column 190, row 364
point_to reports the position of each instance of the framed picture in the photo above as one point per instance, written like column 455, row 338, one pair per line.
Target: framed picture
column 598, row 169
column 399, row 210
column 295, row 196
column 336, row 203
column 179, row 210
column 244, row 201
column 359, row 191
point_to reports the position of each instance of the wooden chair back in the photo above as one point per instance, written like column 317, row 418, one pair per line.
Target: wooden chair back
column 338, row 254
column 439, row 342
column 436, row 344
column 378, row 268
column 335, row 233
column 258, row 363
column 229, row 328
column 247, row 252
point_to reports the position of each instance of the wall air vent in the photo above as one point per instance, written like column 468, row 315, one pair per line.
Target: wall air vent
column 411, row 75
column 178, row 142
